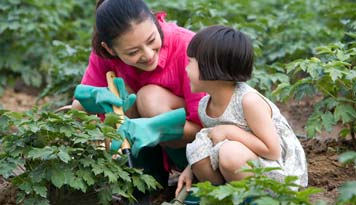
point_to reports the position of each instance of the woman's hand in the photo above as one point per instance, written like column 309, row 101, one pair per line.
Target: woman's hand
column 185, row 178
column 218, row 133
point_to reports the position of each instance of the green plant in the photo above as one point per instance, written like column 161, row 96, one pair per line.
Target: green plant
column 27, row 29
column 331, row 75
column 60, row 157
column 348, row 190
column 256, row 189
column 65, row 68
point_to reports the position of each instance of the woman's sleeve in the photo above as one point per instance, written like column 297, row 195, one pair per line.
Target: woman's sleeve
column 95, row 74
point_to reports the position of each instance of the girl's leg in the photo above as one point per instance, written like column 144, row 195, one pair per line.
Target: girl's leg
column 204, row 172
column 233, row 156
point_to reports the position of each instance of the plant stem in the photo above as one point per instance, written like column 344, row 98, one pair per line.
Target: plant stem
column 352, row 132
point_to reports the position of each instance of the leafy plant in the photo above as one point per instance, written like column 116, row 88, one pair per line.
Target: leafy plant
column 332, row 75
column 65, row 70
column 256, row 189
column 27, row 30
column 60, row 157
column 348, row 190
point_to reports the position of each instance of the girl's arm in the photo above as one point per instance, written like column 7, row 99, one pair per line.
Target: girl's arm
column 186, row 179
column 263, row 140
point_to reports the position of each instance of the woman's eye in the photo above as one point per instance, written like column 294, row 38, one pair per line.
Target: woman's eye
column 132, row 53
column 151, row 41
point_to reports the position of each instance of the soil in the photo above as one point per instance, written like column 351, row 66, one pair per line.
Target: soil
column 322, row 152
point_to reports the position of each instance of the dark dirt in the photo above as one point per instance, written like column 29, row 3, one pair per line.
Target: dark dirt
column 322, row 152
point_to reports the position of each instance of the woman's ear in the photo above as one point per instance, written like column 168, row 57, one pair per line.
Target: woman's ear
column 109, row 50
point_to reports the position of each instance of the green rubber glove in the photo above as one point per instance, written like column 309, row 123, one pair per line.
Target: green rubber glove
column 100, row 99
column 142, row 132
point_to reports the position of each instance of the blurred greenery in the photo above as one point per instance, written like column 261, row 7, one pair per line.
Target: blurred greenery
column 47, row 43
column 303, row 48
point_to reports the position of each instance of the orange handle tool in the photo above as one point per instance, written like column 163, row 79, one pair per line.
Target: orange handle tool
column 125, row 146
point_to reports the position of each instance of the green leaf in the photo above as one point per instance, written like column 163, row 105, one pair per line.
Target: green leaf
column 40, row 190
column 222, row 192
column 335, row 74
column 97, row 169
column 124, row 175
column 87, row 176
column 266, row 201
column 150, row 182
column 347, row 192
column 26, row 187
column 57, row 177
column 63, row 154
column 121, row 190
column 328, row 121
column 78, row 183
column 342, row 56
column 108, row 173
column 67, row 131
column 348, row 157
column 42, row 153
column 138, row 183
column 345, row 112
column 105, row 196
column 7, row 166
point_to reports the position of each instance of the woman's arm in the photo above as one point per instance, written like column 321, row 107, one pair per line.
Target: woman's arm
column 76, row 105
column 190, row 129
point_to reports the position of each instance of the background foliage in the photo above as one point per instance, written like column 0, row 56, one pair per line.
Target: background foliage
column 304, row 49
column 47, row 43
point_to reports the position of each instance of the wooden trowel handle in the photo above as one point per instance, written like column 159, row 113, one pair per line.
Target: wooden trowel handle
column 118, row 110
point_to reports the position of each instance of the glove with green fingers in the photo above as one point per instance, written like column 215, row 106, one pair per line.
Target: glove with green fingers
column 100, row 99
column 148, row 132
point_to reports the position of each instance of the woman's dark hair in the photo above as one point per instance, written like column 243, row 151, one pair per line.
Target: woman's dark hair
column 114, row 18
column 222, row 53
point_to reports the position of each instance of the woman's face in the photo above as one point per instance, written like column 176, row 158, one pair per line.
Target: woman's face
column 140, row 46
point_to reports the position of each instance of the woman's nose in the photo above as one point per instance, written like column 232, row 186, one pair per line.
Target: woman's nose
column 148, row 53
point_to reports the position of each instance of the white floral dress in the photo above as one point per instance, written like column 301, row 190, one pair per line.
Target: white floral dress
column 292, row 161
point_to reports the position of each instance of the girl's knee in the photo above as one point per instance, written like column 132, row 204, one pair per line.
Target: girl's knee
column 234, row 155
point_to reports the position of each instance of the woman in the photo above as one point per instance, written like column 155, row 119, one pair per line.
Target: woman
column 150, row 55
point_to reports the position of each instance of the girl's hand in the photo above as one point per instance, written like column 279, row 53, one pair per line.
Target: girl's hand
column 185, row 178
column 218, row 133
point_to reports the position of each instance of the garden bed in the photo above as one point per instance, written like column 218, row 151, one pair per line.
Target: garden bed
column 322, row 153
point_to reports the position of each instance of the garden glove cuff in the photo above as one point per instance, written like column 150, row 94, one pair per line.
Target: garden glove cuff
column 142, row 132
column 100, row 99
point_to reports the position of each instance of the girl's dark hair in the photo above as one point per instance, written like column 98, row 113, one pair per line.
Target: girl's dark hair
column 222, row 53
column 114, row 18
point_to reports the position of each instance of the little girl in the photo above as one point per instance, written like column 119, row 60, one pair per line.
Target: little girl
column 240, row 123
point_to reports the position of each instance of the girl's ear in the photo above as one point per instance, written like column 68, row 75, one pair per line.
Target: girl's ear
column 109, row 50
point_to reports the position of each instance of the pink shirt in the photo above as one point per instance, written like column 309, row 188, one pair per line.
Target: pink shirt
column 170, row 72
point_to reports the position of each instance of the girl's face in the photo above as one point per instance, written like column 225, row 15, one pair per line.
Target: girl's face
column 140, row 46
column 196, row 85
